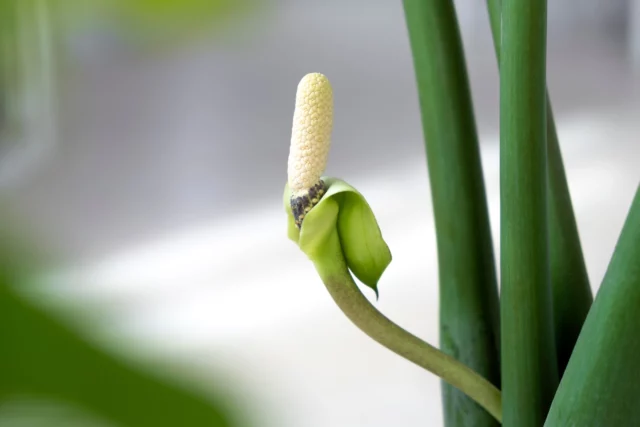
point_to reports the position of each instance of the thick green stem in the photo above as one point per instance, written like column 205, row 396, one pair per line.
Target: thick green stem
column 334, row 272
column 469, row 305
column 529, row 364
column 571, row 291
column 601, row 385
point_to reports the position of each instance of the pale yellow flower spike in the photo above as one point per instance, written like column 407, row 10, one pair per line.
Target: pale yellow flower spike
column 311, row 132
column 310, row 142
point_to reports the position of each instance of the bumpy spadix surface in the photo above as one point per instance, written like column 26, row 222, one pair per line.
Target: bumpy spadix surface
column 311, row 133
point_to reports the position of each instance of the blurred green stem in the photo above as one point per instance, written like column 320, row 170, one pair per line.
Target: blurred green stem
column 333, row 270
column 529, row 364
column 469, row 305
column 569, row 281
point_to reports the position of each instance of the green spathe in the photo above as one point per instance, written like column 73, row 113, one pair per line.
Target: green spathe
column 342, row 210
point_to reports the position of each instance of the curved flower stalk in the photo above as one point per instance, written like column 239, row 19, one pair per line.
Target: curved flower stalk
column 335, row 227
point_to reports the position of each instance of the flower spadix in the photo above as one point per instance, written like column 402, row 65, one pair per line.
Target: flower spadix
column 319, row 209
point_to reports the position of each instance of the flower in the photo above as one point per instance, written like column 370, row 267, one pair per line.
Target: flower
column 310, row 142
column 317, row 206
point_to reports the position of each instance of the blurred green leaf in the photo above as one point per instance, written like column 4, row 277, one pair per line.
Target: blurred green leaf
column 46, row 358
column 167, row 19
column 43, row 357
column 154, row 21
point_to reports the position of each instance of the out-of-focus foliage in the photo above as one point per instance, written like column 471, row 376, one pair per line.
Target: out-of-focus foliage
column 164, row 22
column 46, row 359
column 25, row 75
column 147, row 21
column 177, row 17
column 42, row 357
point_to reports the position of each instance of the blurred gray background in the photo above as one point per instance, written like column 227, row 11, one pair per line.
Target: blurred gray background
column 161, row 188
column 152, row 141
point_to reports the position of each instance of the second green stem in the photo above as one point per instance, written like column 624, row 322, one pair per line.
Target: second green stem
column 529, row 364
column 336, row 276
column 569, row 281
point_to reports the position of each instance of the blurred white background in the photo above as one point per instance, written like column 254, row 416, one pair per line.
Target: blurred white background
column 161, row 193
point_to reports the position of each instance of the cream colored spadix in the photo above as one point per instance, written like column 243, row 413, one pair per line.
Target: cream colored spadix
column 319, row 207
column 311, row 133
